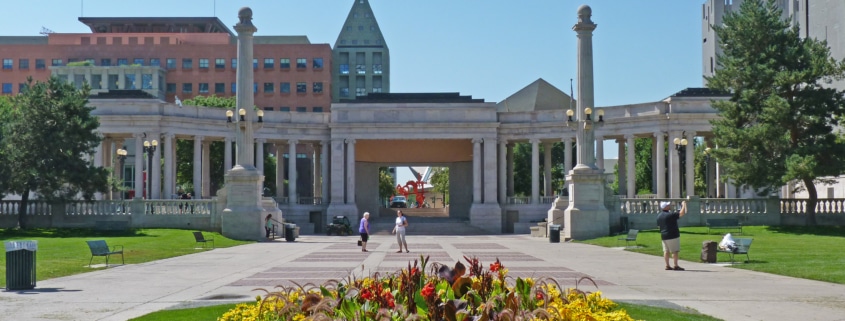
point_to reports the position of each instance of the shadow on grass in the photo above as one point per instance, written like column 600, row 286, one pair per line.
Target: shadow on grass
column 65, row 233
column 809, row 230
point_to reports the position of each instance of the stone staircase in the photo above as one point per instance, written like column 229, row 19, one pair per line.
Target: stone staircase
column 424, row 221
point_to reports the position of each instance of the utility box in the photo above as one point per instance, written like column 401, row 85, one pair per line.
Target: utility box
column 20, row 264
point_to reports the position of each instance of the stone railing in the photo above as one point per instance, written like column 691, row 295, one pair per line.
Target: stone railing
column 547, row 199
column 281, row 200
column 824, row 206
column 34, row 207
column 179, row 207
column 733, row 205
column 311, row 200
column 98, row 208
column 519, row 200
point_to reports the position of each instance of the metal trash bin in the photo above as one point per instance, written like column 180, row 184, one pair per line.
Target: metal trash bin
column 554, row 233
column 20, row 264
column 291, row 232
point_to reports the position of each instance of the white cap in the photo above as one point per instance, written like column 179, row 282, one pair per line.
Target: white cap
column 664, row 204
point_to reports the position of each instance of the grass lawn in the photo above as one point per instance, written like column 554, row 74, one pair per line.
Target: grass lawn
column 209, row 313
column 797, row 251
column 63, row 252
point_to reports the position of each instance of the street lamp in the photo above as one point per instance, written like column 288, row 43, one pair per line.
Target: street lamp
column 681, row 147
column 240, row 126
column 150, row 148
column 121, row 157
column 707, row 171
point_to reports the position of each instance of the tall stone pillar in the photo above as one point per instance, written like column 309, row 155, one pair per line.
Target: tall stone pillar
column 503, row 171
column 547, row 169
column 720, row 187
column 567, row 155
column 324, row 172
column 206, row 169
column 259, row 154
column 337, row 193
column 350, row 171
column 509, row 165
column 674, row 166
column 280, row 169
column 622, row 168
column 476, row 170
column 169, row 161
column 689, row 165
column 139, row 165
column 660, row 156
column 293, row 195
column 484, row 212
column 227, row 154
column 155, row 174
column 317, row 169
column 98, row 162
column 535, row 170
column 630, row 164
column 490, row 171
column 600, row 152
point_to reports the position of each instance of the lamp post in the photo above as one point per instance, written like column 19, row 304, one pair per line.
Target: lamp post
column 150, row 148
column 707, row 171
column 121, row 157
column 240, row 126
column 681, row 147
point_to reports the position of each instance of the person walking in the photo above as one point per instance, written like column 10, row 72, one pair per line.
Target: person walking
column 268, row 225
column 670, row 234
column 364, row 229
column 399, row 230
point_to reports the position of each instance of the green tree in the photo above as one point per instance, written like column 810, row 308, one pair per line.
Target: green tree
column 48, row 137
column 778, row 125
column 385, row 183
column 440, row 181
column 522, row 168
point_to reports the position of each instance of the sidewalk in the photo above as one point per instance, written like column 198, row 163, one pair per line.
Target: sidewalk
column 231, row 274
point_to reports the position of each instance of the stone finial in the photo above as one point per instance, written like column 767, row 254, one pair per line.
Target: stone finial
column 245, row 18
column 584, row 14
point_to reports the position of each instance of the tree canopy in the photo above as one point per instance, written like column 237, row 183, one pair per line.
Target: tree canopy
column 47, row 140
column 778, row 125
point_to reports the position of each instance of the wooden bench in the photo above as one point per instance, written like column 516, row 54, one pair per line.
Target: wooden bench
column 742, row 247
column 724, row 223
column 201, row 239
column 100, row 248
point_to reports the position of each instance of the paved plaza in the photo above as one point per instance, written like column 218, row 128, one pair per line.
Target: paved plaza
column 232, row 274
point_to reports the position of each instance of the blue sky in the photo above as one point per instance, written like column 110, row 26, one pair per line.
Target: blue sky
column 643, row 50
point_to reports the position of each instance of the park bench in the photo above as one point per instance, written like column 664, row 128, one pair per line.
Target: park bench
column 100, row 248
column 724, row 223
column 201, row 239
column 742, row 247
column 630, row 237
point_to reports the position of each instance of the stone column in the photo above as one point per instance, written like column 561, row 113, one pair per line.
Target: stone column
column 259, row 154
column 660, row 156
column 630, row 168
column 535, row 170
column 155, row 172
column 324, row 171
column 337, row 177
column 317, row 169
column 490, row 170
column 206, row 169
column 622, row 168
column 139, row 165
column 586, row 140
column 98, row 162
column 567, row 155
column 197, row 178
column 547, row 169
column 245, row 94
column 720, row 187
column 292, row 177
column 600, row 152
column 503, row 171
column 476, row 170
column 674, row 166
column 509, row 164
column 280, row 169
column 689, row 181
column 169, row 161
column 227, row 154
column 350, row 171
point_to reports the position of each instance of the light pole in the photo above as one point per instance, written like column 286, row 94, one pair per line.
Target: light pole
column 121, row 157
column 707, row 171
column 150, row 148
column 681, row 147
column 240, row 126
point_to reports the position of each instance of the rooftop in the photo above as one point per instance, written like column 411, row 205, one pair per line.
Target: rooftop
column 412, row 98
column 155, row 25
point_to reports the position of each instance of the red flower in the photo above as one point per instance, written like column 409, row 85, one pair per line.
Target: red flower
column 495, row 266
column 428, row 290
column 539, row 296
column 366, row 294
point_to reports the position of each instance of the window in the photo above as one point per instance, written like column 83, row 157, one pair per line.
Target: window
column 317, row 109
column 96, row 81
column 122, row 61
column 234, row 63
column 360, row 28
column 360, row 91
column 187, row 88
column 203, row 63
column 203, row 88
column 187, row 63
column 268, row 63
column 171, row 87
column 318, row 88
column 301, row 110
column 219, row 88
column 284, row 88
column 254, row 87
column 21, row 87
column 90, row 61
column 105, row 62
column 155, row 62
column 317, row 63
column 171, row 63
column 344, row 69
column 301, row 63
column 56, row 62
column 268, row 108
column 234, row 87
column 7, row 88
column 146, row 81
column 284, row 63
column 361, row 69
column 284, row 108
column 268, row 87
column 7, row 63
column 138, row 61
column 129, row 81
column 301, row 88
column 40, row 64
column 344, row 92
column 220, row 63
column 112, row 82
column 254, row 63
column 377, row 69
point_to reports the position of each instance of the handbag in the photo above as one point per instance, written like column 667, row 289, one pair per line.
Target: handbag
column 360, row 243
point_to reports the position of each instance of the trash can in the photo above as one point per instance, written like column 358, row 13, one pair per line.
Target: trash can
column 554, row 233
column 290, row 232
column 20, row 264
column 708, row 251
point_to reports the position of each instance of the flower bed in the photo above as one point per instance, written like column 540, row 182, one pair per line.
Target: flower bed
column 411, row 294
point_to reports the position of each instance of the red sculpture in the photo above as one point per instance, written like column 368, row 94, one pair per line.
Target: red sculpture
column 413, row 187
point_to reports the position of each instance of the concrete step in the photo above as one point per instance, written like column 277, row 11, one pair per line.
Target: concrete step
column 416, row 212
column 427, row 226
